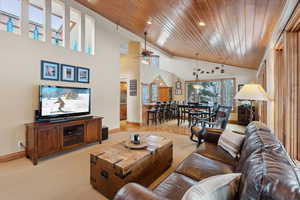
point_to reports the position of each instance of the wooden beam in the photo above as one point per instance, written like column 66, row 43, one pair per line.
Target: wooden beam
column 292, row 92
column 262, row 108
column 279, row 96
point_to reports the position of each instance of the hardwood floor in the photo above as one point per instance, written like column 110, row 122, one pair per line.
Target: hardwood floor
column 170, row 126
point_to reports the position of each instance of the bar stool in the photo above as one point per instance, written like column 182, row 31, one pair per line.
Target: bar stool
column 183, row 111
column 153, row 113
column 168, row 111
column 162, row 113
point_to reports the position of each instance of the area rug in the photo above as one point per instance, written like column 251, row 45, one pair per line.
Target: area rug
column 66, row 175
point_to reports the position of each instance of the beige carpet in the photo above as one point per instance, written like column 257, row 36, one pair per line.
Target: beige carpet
column 66, row 176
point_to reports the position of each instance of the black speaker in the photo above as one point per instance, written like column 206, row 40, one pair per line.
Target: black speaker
column 104, row 133
column 37, row 115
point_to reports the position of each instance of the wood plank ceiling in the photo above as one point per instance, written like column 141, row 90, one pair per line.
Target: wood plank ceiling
column 236, row 31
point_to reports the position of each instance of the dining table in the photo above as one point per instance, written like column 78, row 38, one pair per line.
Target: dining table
column 194, row 106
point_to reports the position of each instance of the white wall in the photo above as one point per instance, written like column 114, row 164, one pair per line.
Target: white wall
column 130, row 70
column 183, row 68
column 149, row 74
column 20, row 69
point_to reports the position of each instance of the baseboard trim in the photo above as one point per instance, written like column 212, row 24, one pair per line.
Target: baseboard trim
column 114, row 130
column 12, row 156
column 134, row 123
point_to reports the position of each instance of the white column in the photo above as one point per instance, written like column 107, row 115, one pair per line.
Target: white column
column 48, row 9
column 82, row 35
column 24, row 18
column 67, row 24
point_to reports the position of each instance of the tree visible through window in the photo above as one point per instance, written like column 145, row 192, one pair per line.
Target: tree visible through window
column 217, row 91
column 154, row 92
column 145, row 94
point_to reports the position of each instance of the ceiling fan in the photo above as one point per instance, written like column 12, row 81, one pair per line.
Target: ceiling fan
column 147, row 54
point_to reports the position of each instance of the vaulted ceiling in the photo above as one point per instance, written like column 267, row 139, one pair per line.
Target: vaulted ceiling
column 236, row 32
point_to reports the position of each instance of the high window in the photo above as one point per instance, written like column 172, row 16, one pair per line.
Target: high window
column 217, row 91
column 89, row 35
column 36, row 12
column 154, row 92
column 154, row 61
column 145, row 94
column 57, row 22
column 10, row 16
column 75, row 30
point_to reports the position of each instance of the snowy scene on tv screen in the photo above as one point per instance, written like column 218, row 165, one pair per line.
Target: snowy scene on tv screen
column 57, row 101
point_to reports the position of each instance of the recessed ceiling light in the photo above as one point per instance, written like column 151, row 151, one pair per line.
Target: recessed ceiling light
column 149, row 22
column 202, row 24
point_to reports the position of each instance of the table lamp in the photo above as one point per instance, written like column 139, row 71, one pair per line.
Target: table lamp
column 252, row 92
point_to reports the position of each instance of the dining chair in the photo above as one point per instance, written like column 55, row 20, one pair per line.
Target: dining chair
column 217, row 121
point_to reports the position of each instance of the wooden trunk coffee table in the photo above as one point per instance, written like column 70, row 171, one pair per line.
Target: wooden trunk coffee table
column 117, row 165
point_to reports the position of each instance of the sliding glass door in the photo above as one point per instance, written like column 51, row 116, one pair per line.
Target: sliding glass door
column 219, row 91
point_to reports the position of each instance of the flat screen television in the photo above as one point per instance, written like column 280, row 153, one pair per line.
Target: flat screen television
column 57, row 101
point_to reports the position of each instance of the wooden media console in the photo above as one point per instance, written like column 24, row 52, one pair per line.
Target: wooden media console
column 46, row 138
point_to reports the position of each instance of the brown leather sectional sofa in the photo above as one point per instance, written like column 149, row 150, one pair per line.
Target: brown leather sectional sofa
column 268, row 173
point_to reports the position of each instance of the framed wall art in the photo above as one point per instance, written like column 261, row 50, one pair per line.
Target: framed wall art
column 68, row 73
column 49, row 70
column 83, row 75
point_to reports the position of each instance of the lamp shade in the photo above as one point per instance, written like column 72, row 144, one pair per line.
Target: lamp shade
column 252, row 92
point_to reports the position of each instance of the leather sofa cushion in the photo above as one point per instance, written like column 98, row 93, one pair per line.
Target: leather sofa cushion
column 268, row 174
column 256, row 126
column 174, row 186
column 215, row 152
column 252, row 172
column 257, row 137
column 267, row 170
column 280, row 179
column 199, row 167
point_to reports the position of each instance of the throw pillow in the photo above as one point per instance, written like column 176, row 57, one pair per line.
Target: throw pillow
column 231, row 142
column 220, row 187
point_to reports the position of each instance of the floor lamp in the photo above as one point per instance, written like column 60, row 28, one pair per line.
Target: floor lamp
column 252, row 92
